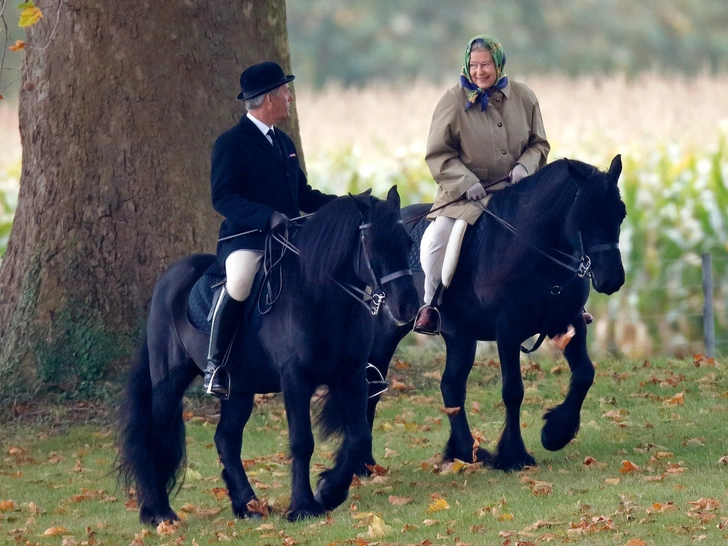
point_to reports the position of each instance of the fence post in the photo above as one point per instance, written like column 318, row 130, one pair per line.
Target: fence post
column 708, row 320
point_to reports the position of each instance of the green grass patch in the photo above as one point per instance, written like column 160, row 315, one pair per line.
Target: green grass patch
column 666, row 417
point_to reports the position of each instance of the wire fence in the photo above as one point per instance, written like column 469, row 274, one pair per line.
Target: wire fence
column 673, row 307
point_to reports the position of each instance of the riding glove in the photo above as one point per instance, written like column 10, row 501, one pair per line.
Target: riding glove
column 278, row 221
column 518, row 173
column 476, row 192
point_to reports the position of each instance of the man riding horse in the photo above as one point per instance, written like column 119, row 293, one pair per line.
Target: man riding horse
column 257, row 185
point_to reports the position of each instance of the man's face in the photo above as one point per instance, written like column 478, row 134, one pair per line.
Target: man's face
column 281, row 100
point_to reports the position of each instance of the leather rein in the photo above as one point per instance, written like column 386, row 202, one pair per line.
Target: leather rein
column 372, row 296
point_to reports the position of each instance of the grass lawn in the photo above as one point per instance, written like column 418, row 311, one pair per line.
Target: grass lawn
column 645, row 468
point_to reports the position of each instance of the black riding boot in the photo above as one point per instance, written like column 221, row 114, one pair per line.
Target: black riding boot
column 224, row 322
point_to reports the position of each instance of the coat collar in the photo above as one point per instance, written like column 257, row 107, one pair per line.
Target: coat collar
column 259, row 138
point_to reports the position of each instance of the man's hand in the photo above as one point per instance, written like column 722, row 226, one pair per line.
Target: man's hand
column 476, row 192
column 278, row 221
column 518, row 173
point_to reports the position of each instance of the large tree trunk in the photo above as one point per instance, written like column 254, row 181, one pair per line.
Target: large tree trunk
column 118, row 116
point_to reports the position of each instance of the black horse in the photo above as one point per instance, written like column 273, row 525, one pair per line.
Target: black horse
column 509, row 287
column 315, row 334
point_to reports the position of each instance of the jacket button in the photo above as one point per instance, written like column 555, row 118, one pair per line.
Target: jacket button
column 504, row 152
column 500, row 124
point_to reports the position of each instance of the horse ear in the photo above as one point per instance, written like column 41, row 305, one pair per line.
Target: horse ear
column 393, row 197
column 366, row 192
column 575, row 172
column 361, row 203
column 615, row 169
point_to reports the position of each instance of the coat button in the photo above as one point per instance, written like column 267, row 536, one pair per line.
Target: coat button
column 504, row 152
column 500, row 124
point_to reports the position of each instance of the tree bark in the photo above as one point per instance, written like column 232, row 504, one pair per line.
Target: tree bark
column 118, row 115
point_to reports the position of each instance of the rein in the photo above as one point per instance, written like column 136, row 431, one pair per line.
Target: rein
column 462, row 197
column 372, row 297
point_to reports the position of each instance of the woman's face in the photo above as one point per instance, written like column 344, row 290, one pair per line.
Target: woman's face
column 482, row 68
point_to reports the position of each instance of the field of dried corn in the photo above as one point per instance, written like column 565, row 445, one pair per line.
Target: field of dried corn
column 671, row 132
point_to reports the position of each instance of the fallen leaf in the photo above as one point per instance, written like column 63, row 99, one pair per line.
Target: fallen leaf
column 19, row 44
column 437, row 506
column 399, row 501
column 450, row 411
column 55, row 531
column 8, row 505
column 167, row 527
column 591, row 462
column 377, row 528
column 628, row 466
column 613, row 481
column 635, row 542
column 258, row 506
column 677, row 400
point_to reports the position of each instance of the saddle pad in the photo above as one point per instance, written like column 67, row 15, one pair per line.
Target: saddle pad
column 201, row 298
column 203, row 294
column 417, row 232
column 473, row 236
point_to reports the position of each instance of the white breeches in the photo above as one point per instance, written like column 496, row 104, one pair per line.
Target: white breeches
column 240, row 268
column 439, row 252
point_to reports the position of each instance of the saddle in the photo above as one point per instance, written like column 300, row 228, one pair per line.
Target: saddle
column 206, row 291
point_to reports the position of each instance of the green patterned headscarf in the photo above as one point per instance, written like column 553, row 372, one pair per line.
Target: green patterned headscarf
column 499, row 58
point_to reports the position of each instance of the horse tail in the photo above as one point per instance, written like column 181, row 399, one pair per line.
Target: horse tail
column 134, row 420
column 151, row 438
column 328, row 416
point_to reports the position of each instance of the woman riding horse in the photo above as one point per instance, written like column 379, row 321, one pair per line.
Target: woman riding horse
column 527, row 266
column 485, row 128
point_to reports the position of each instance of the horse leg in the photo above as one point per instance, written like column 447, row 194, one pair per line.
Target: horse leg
column 511, row 453
column 234, row 414
column 459, row 362
column 562, row 421
column 297, row 394
column 381, row 357
column 350, row 401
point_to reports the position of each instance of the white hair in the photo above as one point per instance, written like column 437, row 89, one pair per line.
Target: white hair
column 256, row 102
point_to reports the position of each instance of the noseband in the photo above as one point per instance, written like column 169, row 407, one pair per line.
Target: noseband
column 373, row 296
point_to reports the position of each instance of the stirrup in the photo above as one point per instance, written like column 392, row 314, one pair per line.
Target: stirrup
column 221, row 396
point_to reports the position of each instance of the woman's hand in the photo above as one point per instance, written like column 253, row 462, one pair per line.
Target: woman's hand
column 476, row 192
column 518, row 173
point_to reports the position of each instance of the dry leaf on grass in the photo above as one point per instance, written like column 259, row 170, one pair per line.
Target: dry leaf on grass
column 628, row 466
column 437, row 506
column 677, row 400
column 591, row 462
column 399, row 501
column 55, row 531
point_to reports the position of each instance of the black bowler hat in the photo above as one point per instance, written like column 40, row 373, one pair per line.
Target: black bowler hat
column 262, row 78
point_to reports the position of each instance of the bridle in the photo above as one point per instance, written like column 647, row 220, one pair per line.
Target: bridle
column 580, row 266
column 373, row 297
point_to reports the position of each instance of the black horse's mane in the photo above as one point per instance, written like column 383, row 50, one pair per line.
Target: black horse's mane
column 329, row 240
column 546, row 209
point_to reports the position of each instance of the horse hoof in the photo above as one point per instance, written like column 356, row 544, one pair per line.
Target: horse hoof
column 312, row 510
column 327, row 496
column 514, row 464
column 149, row 517
column 557, row 431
